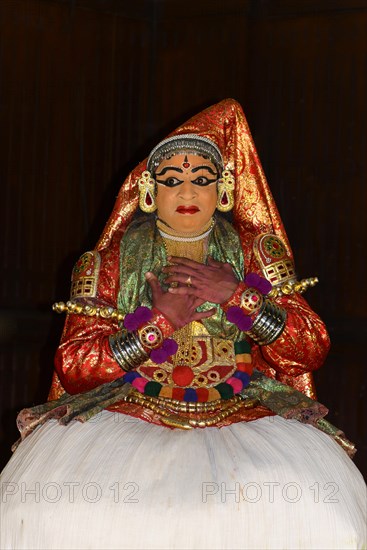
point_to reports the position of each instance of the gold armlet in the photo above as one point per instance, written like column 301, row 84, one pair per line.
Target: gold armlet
column 291, row 287
column 90, row 311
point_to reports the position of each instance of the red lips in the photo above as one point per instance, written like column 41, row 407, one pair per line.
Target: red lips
column 187, row 209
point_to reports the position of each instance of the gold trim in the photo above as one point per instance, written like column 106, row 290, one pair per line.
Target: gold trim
column 280, row 272
column 174, row 420
column 90, row 311
column 147, row 188
column 173, row 233
column 85, row 286
column 190, row 353
column 293, row 286
column 276, row 272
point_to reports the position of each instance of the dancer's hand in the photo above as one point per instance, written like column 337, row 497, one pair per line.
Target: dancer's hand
column 214, row 282
column 179, row 309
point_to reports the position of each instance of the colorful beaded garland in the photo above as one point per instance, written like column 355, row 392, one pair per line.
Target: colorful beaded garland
column 239, row 380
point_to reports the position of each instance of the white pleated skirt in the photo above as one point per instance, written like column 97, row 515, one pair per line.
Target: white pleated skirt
column 117, row 482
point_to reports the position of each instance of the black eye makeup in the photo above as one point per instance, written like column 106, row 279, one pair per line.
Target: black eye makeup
column 170, row 181
column 171, row 168
column 173, row 181
column 203, row 181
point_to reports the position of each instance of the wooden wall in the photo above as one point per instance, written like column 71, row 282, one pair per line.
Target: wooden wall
column 88, row 86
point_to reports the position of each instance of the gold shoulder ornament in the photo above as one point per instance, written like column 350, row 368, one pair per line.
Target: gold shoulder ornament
column 84, row 277
column 278, row 267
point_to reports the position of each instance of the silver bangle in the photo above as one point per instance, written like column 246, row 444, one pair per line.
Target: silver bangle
column 136, row 353
column 269, row 324
column 127, row 350
column 116, row 345
column 116, row 353
column 124, row 351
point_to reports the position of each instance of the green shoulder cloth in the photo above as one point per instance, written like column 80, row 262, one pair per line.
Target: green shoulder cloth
column 142, row 250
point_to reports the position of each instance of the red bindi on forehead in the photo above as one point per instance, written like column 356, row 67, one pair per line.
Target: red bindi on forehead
column 186, row 164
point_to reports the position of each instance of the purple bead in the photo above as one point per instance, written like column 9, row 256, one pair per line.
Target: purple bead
column 130, row 322
column 264, row 286
column 130, row 376
column 259, row 283
column 158, row 356
column 190, row 395
column 143, row 314
column 243, row 376
column 140, row 316
column 170, row 346
column 234, row 314
column 252, row 279
column 245, row 323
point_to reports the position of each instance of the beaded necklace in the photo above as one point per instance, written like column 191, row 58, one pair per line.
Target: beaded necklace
column 224, row 390
column 172, row 235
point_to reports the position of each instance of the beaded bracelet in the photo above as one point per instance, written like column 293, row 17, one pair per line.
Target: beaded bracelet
column 268, row 324
column 263, row 320
column 127, row 350
column 142, row 338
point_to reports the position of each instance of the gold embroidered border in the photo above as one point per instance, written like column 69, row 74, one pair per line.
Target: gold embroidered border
column 85, row 286
column 280, row 272
column 276, row 272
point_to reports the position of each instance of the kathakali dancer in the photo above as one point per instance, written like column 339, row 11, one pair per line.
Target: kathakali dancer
column 187, row 355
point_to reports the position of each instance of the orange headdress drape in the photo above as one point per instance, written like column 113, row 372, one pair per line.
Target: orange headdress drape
column 254, row 212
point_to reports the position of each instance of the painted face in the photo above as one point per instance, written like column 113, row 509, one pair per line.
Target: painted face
column 186, row 192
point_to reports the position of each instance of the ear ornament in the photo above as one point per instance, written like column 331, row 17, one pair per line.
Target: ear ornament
column 147, row 192
column 225, row 200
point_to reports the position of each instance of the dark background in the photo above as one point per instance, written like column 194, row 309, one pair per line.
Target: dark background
column 89, row 86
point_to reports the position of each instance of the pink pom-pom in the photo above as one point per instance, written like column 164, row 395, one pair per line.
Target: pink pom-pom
column 139, row 384
column 158, row 356
column 236, row 384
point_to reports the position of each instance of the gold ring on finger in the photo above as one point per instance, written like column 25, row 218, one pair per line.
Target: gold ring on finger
column 189, row 281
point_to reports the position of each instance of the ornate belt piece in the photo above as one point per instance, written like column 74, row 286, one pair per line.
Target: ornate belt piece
column 201, row 361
